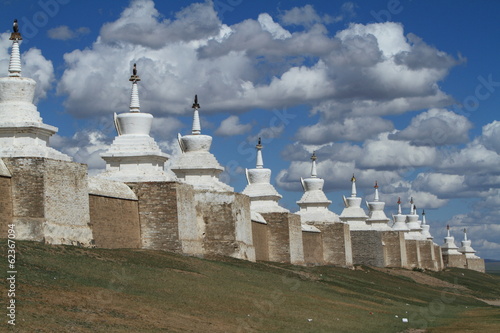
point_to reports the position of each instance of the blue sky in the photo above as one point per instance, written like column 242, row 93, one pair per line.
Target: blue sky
column 402, row 92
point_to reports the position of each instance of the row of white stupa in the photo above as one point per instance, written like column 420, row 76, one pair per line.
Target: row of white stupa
column 134, row 156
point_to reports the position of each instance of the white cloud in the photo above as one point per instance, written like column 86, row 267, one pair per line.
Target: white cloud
column 267, row 23
column 435, row 127
column 232, row 126
column 353, row 129
column 267, row 134
column 63, row 32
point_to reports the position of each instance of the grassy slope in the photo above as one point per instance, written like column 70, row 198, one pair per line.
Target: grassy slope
column 68, row 289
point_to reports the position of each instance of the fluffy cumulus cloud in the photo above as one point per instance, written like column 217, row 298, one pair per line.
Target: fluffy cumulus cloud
column 33, row 64
column 64, row 32
column 232, row 126
column 255, row 64
column 435, row 127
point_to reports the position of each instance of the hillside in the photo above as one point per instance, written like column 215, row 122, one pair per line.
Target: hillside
column 69, row 289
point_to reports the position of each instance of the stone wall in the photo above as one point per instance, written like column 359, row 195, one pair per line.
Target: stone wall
column 394, row 249
column 367, row 248
column 159, row 216
column 337, row 247
column 476, row 264
column 457, row 260
column 225, row 221
column 260, row 241
column 438, row 254
column 413, row 253
column 313, row 248
column 50, row 200
column 285, row 237
column 427, row 259
column 5, row 205
column 115, row 222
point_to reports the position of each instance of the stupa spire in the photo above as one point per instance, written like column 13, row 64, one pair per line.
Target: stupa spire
column 465, row 234
column 423, row 218
column 376, row 192
column 448, row 228
column 134, row 96
column 196, row 117
column 260, row 160
column 314, row 172
column 399, row 205
column 15, row 56
column 353, row 190
column 411, row 206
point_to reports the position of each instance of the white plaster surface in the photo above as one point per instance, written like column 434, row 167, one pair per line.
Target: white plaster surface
column 110, row 188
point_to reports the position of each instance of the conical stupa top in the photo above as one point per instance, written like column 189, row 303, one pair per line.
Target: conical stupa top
column 411, row 206
column 399, row 205
column 465, row 234
column 196, row 117
column 134, row 96
column 260, row 160
column 423, row 218
column 376, row 191
column 448, row 228
column 314, row 172
column 15, row 56
column 353, row 181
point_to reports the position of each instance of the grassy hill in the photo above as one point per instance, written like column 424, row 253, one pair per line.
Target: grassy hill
column 69, row 289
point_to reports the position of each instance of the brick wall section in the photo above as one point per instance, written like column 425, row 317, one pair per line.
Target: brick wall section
column 115, row 222
column 438, row 254
column 260, row 241
column 313, row 248
column 476, row 264
column 458, row 261
column 394, row 249
column 5, row 205
column 367, row 247
column 189, row 230
column 413, row 253
column 226, row 224
column 158, row 215
column 337, row 247
column 285, row 237
column 427, row 259
column 50, row 200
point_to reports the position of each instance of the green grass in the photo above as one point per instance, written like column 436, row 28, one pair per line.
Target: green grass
column 69, row 289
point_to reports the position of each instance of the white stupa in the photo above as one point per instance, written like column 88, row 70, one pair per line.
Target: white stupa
column 449, row 247
column 426, row 234
column 134, row 156
column 353, row 214
column 376, row 217
column 314, row 203
column 413, row 223
column 196, row 165
column 22, row 131
column 399, row 220
column 466, row 248
column 264, row 197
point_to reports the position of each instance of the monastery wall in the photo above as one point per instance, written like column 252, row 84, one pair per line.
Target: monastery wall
column 439, row 257
column 158, row 214
column 260, row 241
column 225, row 222
column 413, row 253
column 427, row 259
column 5, row 204
column 50, row 201
column 312, row 243
column 285, row 237
column 337, row 247
column 115, row 222
column 457, row 260
column 476, row 264
column 367, row 248
column 394, row 249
